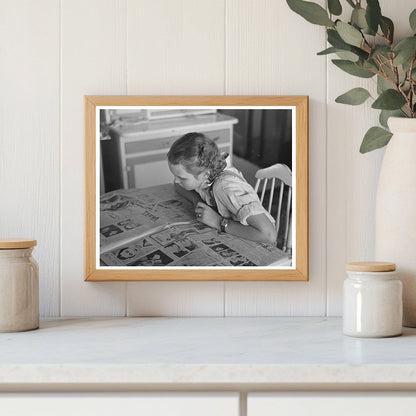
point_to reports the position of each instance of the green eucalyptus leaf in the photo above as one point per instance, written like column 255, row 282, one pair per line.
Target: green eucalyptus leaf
column 327, row 51
column 336, row 41
column 334, row 7
column 311, row 12
column 349, row 34
column 405, row 43
column 383, row 84
column 347, row 55
column 375, row 138
column 360, row 52
column 370, row 65
column 356, row 96
column 352, row 68
column 389, row 100
column 350, row 56
column 405, row 50
column 386, row 114
column 383, row 54
column 373, row 15
column 381, row 50
column 387, row 27
column 412, row 20
column 358, row 18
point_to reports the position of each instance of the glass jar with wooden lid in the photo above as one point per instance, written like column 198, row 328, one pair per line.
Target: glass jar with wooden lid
column 372, row 298
column 19, row 286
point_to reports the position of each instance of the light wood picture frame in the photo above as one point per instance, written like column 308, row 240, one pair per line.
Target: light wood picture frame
column 126, row 142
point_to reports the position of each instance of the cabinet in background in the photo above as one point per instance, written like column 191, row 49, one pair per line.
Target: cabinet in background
column 135, row 154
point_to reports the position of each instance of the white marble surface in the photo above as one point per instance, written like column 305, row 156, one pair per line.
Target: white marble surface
column 179, row 351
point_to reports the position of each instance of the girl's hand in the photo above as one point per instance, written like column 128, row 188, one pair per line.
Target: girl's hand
column 207, row 215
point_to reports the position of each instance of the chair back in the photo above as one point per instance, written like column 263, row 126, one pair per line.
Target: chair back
column 267, row 180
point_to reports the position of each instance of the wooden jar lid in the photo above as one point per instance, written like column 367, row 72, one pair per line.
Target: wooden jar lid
column 371, row 266
column 11, row 243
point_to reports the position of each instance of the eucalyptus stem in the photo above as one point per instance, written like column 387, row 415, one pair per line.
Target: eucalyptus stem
column 395, row 71
column 412, row 86
column 386, row 37
column 384, row 74
column 366, row 43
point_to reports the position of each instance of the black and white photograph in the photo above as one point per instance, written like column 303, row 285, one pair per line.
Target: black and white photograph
column 196, row 187
column 177, row 177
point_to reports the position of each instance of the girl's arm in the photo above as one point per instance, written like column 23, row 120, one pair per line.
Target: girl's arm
column 259, row 227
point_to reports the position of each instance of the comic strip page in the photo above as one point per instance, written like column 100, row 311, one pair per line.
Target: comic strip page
column 128, row 214
column 156, row 227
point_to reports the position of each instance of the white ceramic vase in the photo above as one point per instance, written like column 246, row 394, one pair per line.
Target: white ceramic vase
column 396, row 210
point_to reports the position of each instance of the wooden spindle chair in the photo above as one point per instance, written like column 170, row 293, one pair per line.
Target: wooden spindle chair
column 278, row 174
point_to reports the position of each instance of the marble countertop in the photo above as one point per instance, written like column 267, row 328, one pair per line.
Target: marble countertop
column 204, row 351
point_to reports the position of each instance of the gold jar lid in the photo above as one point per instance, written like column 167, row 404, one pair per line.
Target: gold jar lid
column 12, row 243
column 371, row 266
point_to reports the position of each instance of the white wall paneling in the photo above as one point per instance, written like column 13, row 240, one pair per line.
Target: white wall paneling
column 29, row 135
column 55, row 52
column 93, row 61
column 175, row 47
column 175, row 299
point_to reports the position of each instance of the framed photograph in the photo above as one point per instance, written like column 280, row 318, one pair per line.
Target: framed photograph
column 196, row 188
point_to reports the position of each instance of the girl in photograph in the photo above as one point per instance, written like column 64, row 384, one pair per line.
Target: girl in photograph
column 231, row 204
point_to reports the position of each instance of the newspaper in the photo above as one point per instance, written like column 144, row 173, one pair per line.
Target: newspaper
column 157, row 227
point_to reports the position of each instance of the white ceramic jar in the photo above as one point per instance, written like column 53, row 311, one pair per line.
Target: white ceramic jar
column 372, row 297
column 19, row 286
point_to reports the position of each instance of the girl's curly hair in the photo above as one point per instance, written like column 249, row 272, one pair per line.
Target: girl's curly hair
column 197, row 153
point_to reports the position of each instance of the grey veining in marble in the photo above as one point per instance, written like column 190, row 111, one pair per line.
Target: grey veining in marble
column 203, row 350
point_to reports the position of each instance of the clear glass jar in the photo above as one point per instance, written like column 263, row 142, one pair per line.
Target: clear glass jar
column 372, row 297
column 19, row 286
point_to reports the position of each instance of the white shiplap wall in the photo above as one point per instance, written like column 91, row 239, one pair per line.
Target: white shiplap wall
column 30, row 134
column 55, row 52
